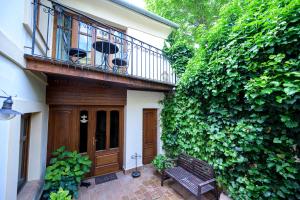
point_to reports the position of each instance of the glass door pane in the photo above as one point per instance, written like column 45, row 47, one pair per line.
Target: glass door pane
column 114, row 129
column 83, row 134
column 63, row 37
column 100, row 136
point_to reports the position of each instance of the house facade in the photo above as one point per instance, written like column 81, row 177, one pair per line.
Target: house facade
column 88, row 75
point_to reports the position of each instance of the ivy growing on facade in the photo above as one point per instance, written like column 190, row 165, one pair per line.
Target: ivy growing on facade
column 237, row 104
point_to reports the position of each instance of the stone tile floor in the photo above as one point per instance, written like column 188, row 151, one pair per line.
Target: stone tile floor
column 146, row 187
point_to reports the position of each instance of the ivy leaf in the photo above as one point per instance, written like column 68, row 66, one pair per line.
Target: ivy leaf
column 276, row 140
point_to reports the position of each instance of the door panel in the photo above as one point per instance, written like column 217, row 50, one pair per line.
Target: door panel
column 149, row 135
column 62, row 129
column 108, row 140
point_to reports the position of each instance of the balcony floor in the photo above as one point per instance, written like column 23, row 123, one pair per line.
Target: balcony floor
column 54, row 67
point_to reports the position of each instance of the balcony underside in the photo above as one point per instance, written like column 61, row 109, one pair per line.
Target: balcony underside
column 53, row 67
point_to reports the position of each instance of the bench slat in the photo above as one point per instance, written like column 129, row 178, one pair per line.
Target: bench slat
column 187, row 180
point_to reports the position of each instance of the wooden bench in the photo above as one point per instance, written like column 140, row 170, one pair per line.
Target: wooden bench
column 195, row 175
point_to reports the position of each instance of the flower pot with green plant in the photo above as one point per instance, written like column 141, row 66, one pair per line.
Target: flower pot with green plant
column 66, row 170
column 61, row 194
column 161, row 162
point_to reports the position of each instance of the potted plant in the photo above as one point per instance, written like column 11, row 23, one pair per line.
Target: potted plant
column 61, row 194
column 66, row 170
column 161, row 162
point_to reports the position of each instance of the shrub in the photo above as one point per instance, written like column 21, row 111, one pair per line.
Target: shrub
column 237, row 105
column 161, row 162
column 65, row 171
column 60, row 195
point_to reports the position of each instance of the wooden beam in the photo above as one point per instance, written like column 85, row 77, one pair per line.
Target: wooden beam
column 48, row 66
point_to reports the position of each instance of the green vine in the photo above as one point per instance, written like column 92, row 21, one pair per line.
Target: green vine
column 237, row 105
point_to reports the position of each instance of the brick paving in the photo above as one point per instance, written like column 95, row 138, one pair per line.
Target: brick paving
column 146, row 187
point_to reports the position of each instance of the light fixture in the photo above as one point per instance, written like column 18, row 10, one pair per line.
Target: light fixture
column 6, row 112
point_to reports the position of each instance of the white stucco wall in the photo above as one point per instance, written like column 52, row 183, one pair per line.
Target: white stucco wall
column 30, row 89
column 30, row 98
column 137, row 25
column 136, row 102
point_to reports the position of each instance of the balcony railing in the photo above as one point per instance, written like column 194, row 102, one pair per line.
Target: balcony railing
column 81, row 41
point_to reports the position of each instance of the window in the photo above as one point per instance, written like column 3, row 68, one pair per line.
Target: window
column 83, row 134
column 100, row 136
column 85, row 41
column 23, row 151
column 114, row 129
column 63, row 36
column 71, row 33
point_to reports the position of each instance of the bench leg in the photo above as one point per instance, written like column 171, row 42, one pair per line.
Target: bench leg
column 162, row 179
column 217, row 194
column 199, row 197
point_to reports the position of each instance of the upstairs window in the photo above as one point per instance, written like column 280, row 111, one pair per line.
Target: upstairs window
column 81, row 34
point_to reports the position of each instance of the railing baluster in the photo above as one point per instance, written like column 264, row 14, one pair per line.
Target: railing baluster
column 35, row 7
column 141, row 59
column 87, row 42
column 153, row 65
column 107, row 56
column 137, row 58
column 94, row 39
column 78, row 34
column 145, row 62
column 160, row 67
column 47, row 37
column 131, row 56
column 149, row 59
column 102, row 54
column 156, row 64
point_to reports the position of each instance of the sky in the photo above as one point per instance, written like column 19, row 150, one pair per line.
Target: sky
column 139, row 3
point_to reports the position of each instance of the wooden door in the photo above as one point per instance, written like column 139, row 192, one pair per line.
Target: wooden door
column 108, row 140
column 62, row 129
column 149, row 135
column 96, row 131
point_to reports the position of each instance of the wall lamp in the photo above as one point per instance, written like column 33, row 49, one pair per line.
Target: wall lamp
column 6, row 112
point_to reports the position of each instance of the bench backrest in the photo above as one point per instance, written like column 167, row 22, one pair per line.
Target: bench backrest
column 195, row 166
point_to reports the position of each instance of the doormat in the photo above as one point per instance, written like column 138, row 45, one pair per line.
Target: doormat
column 105, row 178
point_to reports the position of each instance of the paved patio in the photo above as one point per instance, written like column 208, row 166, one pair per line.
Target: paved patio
column 146, row 187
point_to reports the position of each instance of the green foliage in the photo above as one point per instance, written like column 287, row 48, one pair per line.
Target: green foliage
column 193, row 17
column 60, row 195
column 161, row 162
column 237, row 105
column 178, row 53
column 65, row 171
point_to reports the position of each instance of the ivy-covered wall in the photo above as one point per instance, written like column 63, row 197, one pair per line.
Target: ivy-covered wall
column 237, row 105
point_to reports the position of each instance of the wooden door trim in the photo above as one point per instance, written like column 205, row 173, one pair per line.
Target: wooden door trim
column 155, row 135
column 26, row 145
column 121, row 126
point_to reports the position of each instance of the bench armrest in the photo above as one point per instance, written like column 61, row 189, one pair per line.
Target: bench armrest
column 207, row 182
column 173, row 160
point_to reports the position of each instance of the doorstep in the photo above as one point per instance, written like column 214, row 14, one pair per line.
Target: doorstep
column 31, row 191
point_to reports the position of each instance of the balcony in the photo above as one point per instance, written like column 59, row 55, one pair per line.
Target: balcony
column 71, row 42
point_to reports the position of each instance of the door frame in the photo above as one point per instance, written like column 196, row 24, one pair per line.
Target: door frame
column 155, row 136
column 26, row 119
column 91, row 151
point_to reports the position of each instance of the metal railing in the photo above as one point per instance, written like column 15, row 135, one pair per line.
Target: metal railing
column 80, row 41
